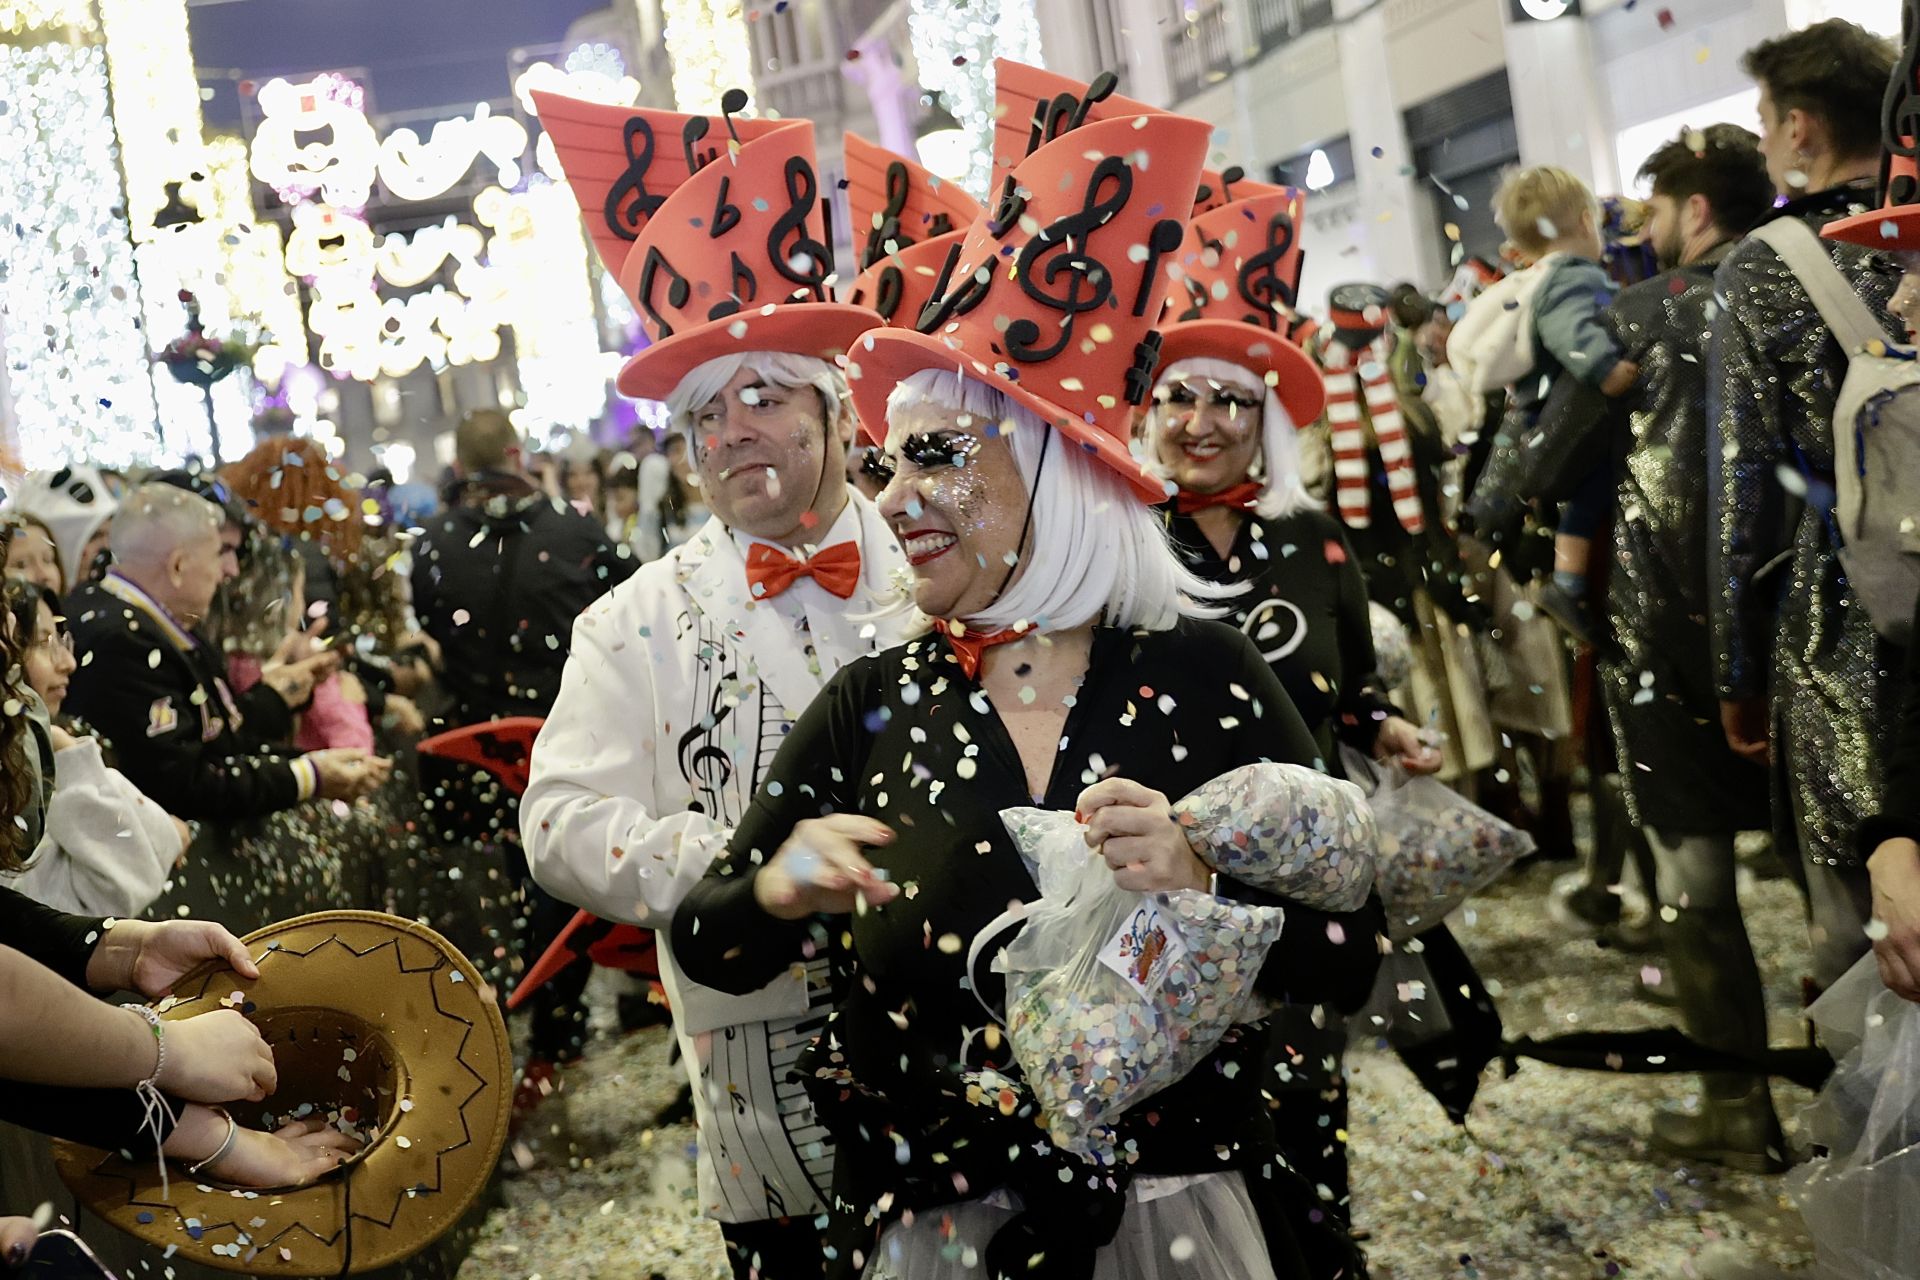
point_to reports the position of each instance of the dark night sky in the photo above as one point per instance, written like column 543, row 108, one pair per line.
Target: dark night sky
column 420, row 53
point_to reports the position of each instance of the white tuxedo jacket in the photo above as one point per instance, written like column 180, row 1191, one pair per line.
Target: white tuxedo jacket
column 678, row 690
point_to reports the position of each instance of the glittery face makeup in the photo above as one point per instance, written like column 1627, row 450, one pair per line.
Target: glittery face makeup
column 758, row 452
column 1209, row 432
column 956, row 502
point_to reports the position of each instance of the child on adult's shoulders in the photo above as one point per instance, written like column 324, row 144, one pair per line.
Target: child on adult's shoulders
column 1552, row 218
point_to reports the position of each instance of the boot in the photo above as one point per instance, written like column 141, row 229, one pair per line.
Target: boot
column 1735, row 1127
column 1718, row 985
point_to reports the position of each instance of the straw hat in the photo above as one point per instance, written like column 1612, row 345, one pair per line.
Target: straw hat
column 370, row 1016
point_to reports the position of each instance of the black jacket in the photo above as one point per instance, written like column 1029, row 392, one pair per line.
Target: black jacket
column 160, row 696
column 498, row 581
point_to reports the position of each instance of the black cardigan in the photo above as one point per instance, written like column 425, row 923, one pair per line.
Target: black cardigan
column 904, row 737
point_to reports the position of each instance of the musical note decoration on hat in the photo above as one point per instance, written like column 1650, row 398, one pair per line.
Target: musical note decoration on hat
column 1051, row 295
column 1034, row 106
column 905, row 218
column 1237, row 278
column 713, row 226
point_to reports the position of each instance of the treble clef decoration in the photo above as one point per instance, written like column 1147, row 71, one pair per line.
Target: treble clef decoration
column 678, row 290
column 1900, row 126
column 803, row 260
column 1261, row 286
column 1059, row 250
column 628, row 202
column 898, row 188
column 704, row 763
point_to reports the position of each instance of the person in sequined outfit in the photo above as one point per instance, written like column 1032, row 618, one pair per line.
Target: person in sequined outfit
column 1804, row 683
column 1686, row 789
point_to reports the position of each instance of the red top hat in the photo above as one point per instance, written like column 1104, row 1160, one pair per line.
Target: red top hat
column 905, row 219
column 713, row 226
column 1237, row 276
column 1034, row 106
column 1053, row 296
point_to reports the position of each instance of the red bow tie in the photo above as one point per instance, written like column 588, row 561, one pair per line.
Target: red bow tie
column 969, row 646
column 771, row 571
column 1240, row 497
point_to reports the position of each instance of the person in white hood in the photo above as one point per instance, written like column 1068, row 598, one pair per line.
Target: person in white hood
column 77, row 506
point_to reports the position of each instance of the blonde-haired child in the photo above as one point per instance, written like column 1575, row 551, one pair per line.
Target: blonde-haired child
column 1552, row 217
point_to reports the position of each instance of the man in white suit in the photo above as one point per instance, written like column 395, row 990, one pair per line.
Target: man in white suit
column 683, row 681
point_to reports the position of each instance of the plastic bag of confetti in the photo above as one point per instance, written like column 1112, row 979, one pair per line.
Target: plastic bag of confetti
column 1858, row 1200
column 1285, row 828
column 1436, row 848
column 1112, row 995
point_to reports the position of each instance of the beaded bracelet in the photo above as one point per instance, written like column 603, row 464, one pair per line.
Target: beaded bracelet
column 160, row 1041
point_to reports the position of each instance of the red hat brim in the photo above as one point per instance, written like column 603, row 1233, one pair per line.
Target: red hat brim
column 1301, row 390
column 824, row 329
column 1891, row 229
column 885, row 356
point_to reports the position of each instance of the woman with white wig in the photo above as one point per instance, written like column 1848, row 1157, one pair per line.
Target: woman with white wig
column 1070, row 667
column 1221, row 430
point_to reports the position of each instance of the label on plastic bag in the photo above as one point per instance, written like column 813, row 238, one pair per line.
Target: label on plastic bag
column 1144, row 948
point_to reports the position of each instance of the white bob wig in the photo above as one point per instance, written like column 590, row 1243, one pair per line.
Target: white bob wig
column 1279, row 462
column 776, row 368
column 1096, row 552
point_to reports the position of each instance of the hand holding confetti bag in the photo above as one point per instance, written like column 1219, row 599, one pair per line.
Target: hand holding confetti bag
column 1857, row 1199
column 1437, row 848
column 1113, row 995
column 1285, row 828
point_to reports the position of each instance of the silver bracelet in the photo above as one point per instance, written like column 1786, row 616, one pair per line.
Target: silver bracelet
column 152, row 1019
column 233, row 1135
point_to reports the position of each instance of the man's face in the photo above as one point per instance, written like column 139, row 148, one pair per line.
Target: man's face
column 761, row 451
column 1777, row 145
column 230, row 538
column 198, row 568
column 1663, row 230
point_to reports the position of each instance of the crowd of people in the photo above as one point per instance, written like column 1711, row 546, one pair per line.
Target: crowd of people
column 1123, row 529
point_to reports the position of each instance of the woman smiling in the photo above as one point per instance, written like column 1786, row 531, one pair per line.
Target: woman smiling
column 1070, row 668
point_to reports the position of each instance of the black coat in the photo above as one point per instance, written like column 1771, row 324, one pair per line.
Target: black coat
column 1657, row 675
column 159, row 695
column 499, row 585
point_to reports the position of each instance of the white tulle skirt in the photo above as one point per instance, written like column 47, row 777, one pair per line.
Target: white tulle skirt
column 1193, row 1228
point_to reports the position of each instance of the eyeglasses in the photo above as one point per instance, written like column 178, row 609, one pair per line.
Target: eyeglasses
column 55, row 643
